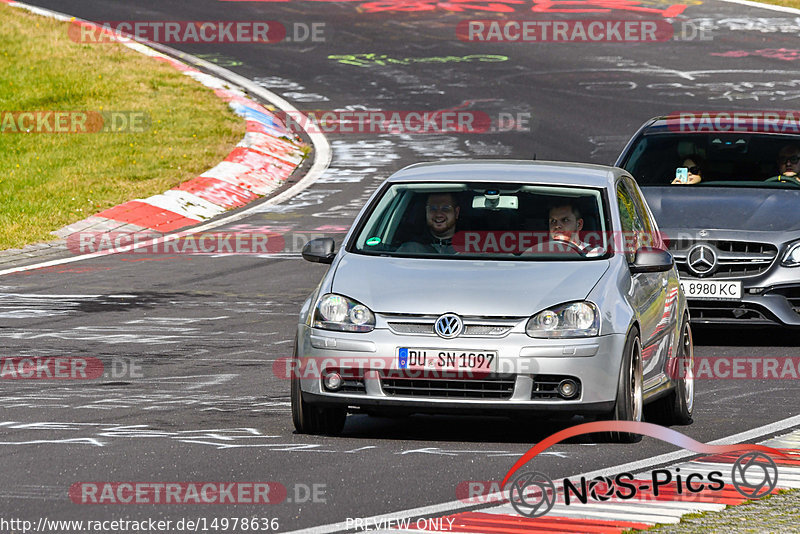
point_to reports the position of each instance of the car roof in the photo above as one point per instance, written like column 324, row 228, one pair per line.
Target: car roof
column 512, row 171
column 748, row 123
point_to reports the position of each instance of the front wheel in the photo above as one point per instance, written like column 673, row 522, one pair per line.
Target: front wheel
column 311, row 419
column 629, row 404
column 677, row 407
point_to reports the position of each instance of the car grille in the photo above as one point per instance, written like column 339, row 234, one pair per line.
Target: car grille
column 473, row 326
column 791, row 294
column 735, row 259
column 545, row 387
column 489, row 387
column 727, row 312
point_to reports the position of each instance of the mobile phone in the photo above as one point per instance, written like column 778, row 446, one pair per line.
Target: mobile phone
column 682, row 174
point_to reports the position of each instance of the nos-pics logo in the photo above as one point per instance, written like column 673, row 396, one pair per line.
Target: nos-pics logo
column 533, row 494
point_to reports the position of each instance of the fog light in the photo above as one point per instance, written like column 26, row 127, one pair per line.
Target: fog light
column 568, row 388
column 333, row 381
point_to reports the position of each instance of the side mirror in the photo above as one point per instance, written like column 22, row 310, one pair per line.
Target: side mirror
column 651, row 260
column 320, row 250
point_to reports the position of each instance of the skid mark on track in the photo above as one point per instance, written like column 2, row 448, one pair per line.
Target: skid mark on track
column 289, row 89
column 105, row 435
column 224, row 438
column 28, row 306
column 115, row 335
column 196, row 330
column 30, row 491
column 150, row 394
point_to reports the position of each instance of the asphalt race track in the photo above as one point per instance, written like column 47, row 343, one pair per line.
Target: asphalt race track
column 192, row 396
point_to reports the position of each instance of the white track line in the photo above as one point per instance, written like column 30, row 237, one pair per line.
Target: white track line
column 771, row 7
column 322, row 152
column 630, row 467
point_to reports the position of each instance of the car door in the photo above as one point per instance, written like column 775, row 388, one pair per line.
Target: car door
column 648, row 290
column 665, row 339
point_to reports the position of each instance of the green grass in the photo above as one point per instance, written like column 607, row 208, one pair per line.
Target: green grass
column 773, row 513
column 51, row 180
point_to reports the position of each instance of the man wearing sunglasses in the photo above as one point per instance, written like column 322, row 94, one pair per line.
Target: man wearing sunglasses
column 788, row 165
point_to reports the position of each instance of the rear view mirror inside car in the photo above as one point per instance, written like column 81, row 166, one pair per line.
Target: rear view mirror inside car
column 493, row 200
column 738, row 144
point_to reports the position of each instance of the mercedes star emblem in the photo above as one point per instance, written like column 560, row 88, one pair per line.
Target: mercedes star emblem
column 701, row 260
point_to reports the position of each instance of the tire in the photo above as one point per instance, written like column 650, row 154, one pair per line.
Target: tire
column 311, row 419
column 677, row 407
column 629, row 405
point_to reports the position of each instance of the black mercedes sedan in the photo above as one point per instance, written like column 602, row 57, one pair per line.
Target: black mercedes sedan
column 725, row 189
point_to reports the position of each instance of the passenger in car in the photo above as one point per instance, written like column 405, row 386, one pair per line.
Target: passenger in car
column 788, row 165
column 694, row 170
column 441, row 216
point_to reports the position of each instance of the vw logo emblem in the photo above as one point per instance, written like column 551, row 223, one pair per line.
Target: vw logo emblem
column 448, row 326
column 701, row 260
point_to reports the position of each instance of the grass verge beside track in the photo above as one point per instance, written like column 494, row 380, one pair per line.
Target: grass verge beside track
column 774, row 513
column 785, row 3
column 49, row 180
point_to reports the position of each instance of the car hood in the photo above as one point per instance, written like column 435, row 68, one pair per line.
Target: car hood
column 724, row 208
column 484, row 288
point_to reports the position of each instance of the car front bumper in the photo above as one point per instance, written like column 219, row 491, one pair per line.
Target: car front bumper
column 760, row 305
column 526, row 370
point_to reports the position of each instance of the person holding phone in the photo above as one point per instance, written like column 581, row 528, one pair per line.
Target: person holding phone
column 690, row 172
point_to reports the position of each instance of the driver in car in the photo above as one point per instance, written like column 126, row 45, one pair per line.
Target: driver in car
column 441, row 215
column 565, row 222
column 788, row 165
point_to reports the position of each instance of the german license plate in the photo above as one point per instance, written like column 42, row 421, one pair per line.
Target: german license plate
column 712, row 289
column 446, row 360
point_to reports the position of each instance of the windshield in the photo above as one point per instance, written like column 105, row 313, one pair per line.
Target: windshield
column 715, row 159
column 487, row 221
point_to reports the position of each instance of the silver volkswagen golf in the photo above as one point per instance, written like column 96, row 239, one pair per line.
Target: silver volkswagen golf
column 497, row 287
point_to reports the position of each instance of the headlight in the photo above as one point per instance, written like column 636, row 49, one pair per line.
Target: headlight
column 792, row 256
column 574, row 319
column 335, row 312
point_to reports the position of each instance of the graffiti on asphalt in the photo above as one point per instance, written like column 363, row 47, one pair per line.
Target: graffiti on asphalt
column 219, row 59
column 730, row 85
column 289, row 89
column 362, row 161
column 604, row 6
column 785, row 54
column 104, row 434
column 729, row 91
column 368, row 60
column 789, row 25
column 658, row 7
column 369, row 161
